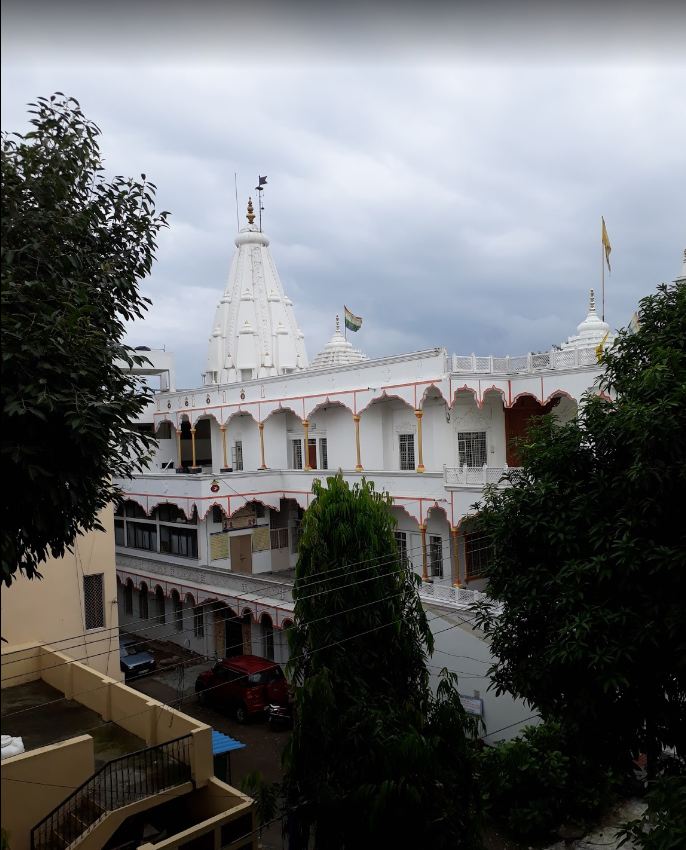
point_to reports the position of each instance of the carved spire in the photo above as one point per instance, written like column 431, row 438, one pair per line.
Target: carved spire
column 251, row 215
column 338, row 324
column 591, row 303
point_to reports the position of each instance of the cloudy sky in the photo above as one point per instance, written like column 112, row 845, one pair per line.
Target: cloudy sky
column 442, row 175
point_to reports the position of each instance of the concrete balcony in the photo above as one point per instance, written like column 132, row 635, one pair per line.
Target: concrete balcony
column 233, row 489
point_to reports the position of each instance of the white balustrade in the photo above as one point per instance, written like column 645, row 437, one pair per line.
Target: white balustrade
column 476, row 476
column 553, row 359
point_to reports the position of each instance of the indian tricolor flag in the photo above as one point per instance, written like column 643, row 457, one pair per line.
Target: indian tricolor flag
column 352, row 322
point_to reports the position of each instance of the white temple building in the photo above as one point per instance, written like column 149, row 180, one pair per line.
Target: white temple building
column 207, row 537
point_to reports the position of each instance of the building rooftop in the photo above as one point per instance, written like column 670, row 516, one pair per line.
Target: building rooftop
column 40, row 715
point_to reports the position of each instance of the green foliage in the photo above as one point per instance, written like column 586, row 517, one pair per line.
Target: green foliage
column 533, row 784
column 663, row 825
column 374, row 760
column 265, row 794
column 74, row 248
column 4, row 839
column 589, row 553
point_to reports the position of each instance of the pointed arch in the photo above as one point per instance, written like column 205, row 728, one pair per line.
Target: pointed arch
column 247, row 412
column 322, row 403
column 432, row 391
column 383, row 396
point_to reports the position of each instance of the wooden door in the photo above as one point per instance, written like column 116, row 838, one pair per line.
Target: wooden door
column 241, row 553
column 312, row 454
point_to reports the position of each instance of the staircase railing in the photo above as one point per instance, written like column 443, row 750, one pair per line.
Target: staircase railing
column 122, row 781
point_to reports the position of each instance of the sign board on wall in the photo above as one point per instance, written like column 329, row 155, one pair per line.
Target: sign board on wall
column 261, row 539
column 219, row 546
column 473, row 705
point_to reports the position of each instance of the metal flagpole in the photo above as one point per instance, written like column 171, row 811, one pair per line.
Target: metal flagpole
column 259, row 198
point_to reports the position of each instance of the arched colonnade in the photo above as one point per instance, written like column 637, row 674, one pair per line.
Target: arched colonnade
column 345, row 431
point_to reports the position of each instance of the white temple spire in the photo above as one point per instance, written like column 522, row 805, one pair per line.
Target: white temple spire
column 254, row 333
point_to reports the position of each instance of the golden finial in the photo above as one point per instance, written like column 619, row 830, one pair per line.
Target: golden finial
column 251, row 215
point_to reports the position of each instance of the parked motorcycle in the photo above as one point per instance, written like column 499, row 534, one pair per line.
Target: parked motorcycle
column 279, row 716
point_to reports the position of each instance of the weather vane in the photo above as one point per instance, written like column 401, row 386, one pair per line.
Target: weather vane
column 261, row 181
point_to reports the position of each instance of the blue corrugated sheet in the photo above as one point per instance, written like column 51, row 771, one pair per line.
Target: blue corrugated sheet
column 224, row 744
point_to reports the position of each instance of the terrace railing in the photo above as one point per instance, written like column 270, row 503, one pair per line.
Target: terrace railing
column 122, row 781
column 476, row 476
column 568, row 358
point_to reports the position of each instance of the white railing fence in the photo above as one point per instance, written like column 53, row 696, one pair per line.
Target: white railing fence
column 553, row 359
column 476, row 476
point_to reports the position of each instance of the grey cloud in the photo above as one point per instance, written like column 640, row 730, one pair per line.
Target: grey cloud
column 453, row 204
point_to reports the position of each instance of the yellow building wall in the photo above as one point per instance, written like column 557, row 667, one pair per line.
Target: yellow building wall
column 35, row 782
column 51, row 610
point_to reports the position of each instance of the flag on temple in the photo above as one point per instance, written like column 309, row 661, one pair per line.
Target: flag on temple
column 600, row 346
column 352, row 322
column 606, row 244
column 262, row 181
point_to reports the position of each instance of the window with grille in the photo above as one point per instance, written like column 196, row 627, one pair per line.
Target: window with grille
column 296, row 454
column 471, row 446
column 401, row 543
column 323, row 454
column 141, row 536
column 198, row 622
column 436, row 555
column 406, row 444
column 295, row 537
column 237, row 455
column 279, row 538
column 478, row 554
column 94, row 601
column 179, row 541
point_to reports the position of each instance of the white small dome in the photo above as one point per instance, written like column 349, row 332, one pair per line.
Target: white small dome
column 337, row 352
column 592, row 331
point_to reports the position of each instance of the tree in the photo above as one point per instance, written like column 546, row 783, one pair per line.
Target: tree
column 74, row 248
column 375, row 760
column 589, row 546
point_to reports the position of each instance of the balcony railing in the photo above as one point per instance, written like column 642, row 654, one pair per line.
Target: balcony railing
column 553, row 359
column 476, row 476
column 120, row 782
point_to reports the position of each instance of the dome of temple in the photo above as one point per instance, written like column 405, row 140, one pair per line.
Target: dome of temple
column 592, row 331
column 337, row 352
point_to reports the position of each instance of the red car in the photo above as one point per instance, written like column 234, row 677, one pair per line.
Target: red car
column 244, row 685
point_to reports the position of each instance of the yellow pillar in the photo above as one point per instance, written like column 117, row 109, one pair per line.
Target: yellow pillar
column 425, row 571
column 260, row 427
column 222, row 428
column 358, row 465
column 178, row 447
column 194, row 467
column 420, row 457
column 306, row 430
column 456, row 556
